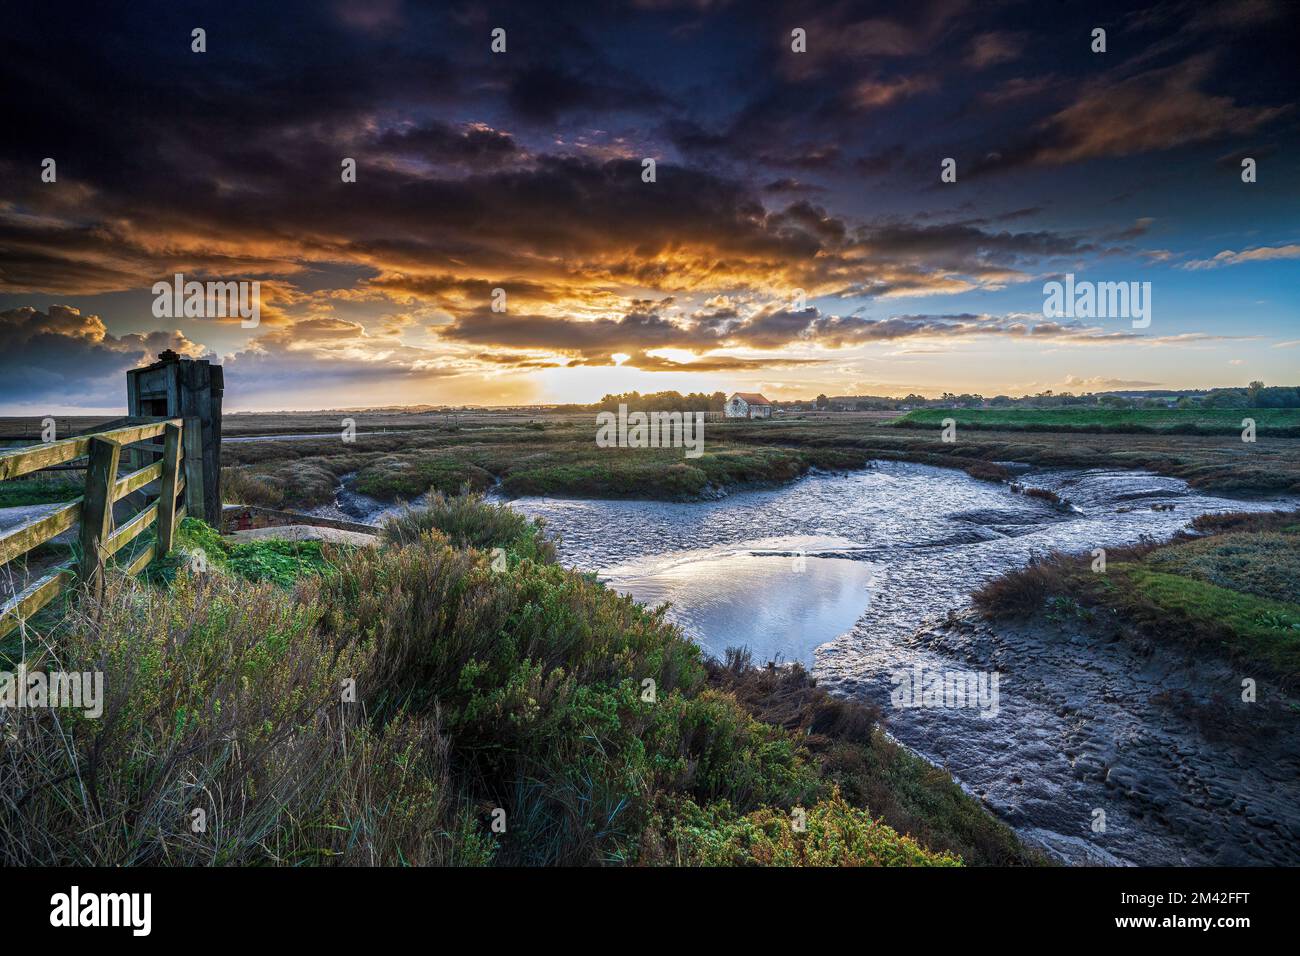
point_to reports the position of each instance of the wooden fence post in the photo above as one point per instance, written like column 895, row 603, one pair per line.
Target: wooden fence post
column 167, row 495
column 97, row 510
column 193, row 442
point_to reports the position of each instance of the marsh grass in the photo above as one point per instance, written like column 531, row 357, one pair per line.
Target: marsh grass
column 40, row 489
column 244, row 487
column 218, row 699
column 405, row 476
column 561, row 458
column 1272, row 465
column 1283, row 422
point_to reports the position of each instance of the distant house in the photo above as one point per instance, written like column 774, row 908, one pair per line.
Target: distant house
column 748, row 405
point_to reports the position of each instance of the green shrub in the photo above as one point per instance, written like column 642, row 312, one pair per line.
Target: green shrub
column 470, row 522
column 268, row 559
column 830, row 833
column 280, row 561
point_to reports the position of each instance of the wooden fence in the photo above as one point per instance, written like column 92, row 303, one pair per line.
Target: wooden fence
column 98, row 539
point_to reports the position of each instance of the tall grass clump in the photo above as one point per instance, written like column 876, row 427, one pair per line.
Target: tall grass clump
column 468, row 521
column 224, row 739
column 241, row 486
column 538, row 674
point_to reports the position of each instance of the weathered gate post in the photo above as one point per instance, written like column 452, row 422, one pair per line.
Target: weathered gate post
column 190, row 389
column 167, row 490
column 97, row 511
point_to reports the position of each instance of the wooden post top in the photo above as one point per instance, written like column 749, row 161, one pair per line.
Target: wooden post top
column 190, row 389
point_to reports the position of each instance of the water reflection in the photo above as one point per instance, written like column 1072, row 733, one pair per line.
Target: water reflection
column 781, row 597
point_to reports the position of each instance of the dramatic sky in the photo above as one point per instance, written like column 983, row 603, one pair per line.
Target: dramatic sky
column 777, row 171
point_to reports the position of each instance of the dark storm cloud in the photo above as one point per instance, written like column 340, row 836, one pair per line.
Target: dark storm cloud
column 714, row 363
column 64, row 353
column 1154, row 110
column 787, row 184
column 552, row 222
column 443, row 142
column 269, row 115
column 543, row 93
column 965, row 240
column 769, row 327
column 600, row 337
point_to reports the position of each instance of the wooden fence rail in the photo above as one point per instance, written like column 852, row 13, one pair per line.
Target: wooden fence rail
column 98, row 539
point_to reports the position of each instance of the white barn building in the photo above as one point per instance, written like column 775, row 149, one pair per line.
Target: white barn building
column 748, row 405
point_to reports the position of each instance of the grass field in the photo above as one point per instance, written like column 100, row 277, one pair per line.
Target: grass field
column 1209, row 421
column 552, row 457
column 558, row 456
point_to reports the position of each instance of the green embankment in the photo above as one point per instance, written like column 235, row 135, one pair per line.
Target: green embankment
column 1234, row 593
column 1171, row 421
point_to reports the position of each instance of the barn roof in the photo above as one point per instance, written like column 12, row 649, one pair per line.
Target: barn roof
column 752, row 398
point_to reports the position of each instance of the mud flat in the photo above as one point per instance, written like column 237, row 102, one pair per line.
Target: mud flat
column 1184, row 771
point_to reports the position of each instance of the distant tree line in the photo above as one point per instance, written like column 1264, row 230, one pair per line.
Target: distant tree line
column 655, row 402
column 1255, row 395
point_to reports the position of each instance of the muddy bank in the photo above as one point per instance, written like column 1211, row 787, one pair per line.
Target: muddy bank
column 1183, row 770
